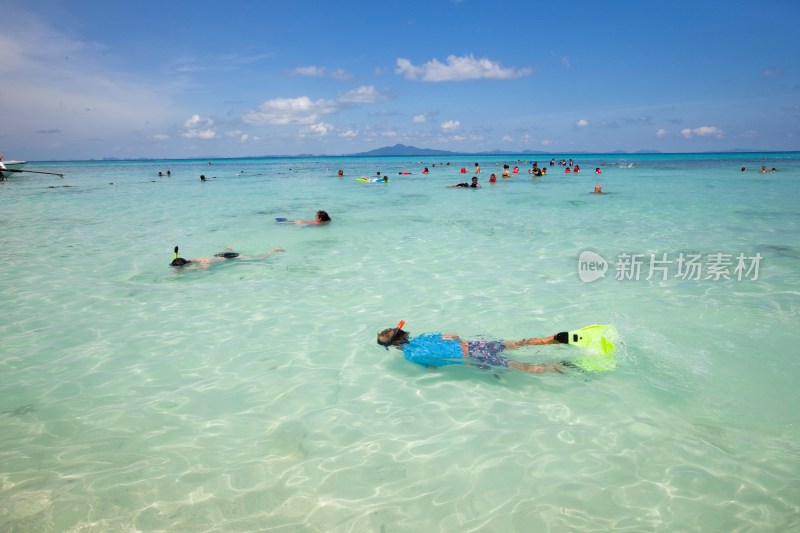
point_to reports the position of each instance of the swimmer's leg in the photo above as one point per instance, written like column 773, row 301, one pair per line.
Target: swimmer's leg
column 536, row 369
column 264, row 256
column 534, row 341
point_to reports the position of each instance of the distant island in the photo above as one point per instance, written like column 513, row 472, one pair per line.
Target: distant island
column 403, row 150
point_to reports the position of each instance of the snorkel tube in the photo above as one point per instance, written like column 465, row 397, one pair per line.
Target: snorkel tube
column 397, row 331
column 178, row 261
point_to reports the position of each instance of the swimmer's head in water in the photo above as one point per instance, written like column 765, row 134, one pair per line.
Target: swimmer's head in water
column 179, row 262
column 323, row 216
column 392, row 337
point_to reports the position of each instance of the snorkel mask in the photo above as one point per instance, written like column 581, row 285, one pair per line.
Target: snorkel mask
column 179, row 261
column 396, row 332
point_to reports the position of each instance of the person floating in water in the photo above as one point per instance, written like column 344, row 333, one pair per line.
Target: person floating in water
column 225, row 255
column 473, row 185
column 320, row 218
column 435, row 350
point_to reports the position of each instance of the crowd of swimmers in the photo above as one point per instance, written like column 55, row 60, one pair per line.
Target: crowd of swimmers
column 535, row 170
column 322, row 217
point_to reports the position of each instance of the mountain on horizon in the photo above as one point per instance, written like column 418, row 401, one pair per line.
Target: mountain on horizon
column 402, row 149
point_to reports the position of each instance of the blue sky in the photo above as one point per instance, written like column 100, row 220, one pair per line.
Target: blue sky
column 179, row 79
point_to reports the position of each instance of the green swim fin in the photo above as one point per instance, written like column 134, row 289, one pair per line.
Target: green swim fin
column 597, row 337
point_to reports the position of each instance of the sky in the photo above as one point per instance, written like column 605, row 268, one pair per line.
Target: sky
column 92, row 79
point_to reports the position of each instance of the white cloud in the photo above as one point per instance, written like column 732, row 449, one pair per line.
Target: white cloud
column 311, row 70
column 702, row 131
column 507, row 138
column 457, row 69
column 199, row 128
column 420, row 119
column 318, row 72
column 366, row 94
column 321, row 129
column 196, row 120
column 661, row 133
column 283, row 111
column 304, row 110
column 349, row 134
column 546, row 142
column 450, row 125
column 160, row 137
column 239, row 135
column 582, row 123
column 200, row 134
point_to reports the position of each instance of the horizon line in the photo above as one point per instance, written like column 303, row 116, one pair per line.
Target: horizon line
column 370, row 153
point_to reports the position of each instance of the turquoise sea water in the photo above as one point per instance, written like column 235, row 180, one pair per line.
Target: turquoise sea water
column 251, row 396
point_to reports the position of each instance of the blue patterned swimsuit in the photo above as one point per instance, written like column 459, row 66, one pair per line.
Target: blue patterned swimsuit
column 431, row 349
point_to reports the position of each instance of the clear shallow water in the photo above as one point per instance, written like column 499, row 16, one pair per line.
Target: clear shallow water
column 252, row 396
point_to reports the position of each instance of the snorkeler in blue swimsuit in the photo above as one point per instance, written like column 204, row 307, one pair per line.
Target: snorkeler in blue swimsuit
column 436, row 349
